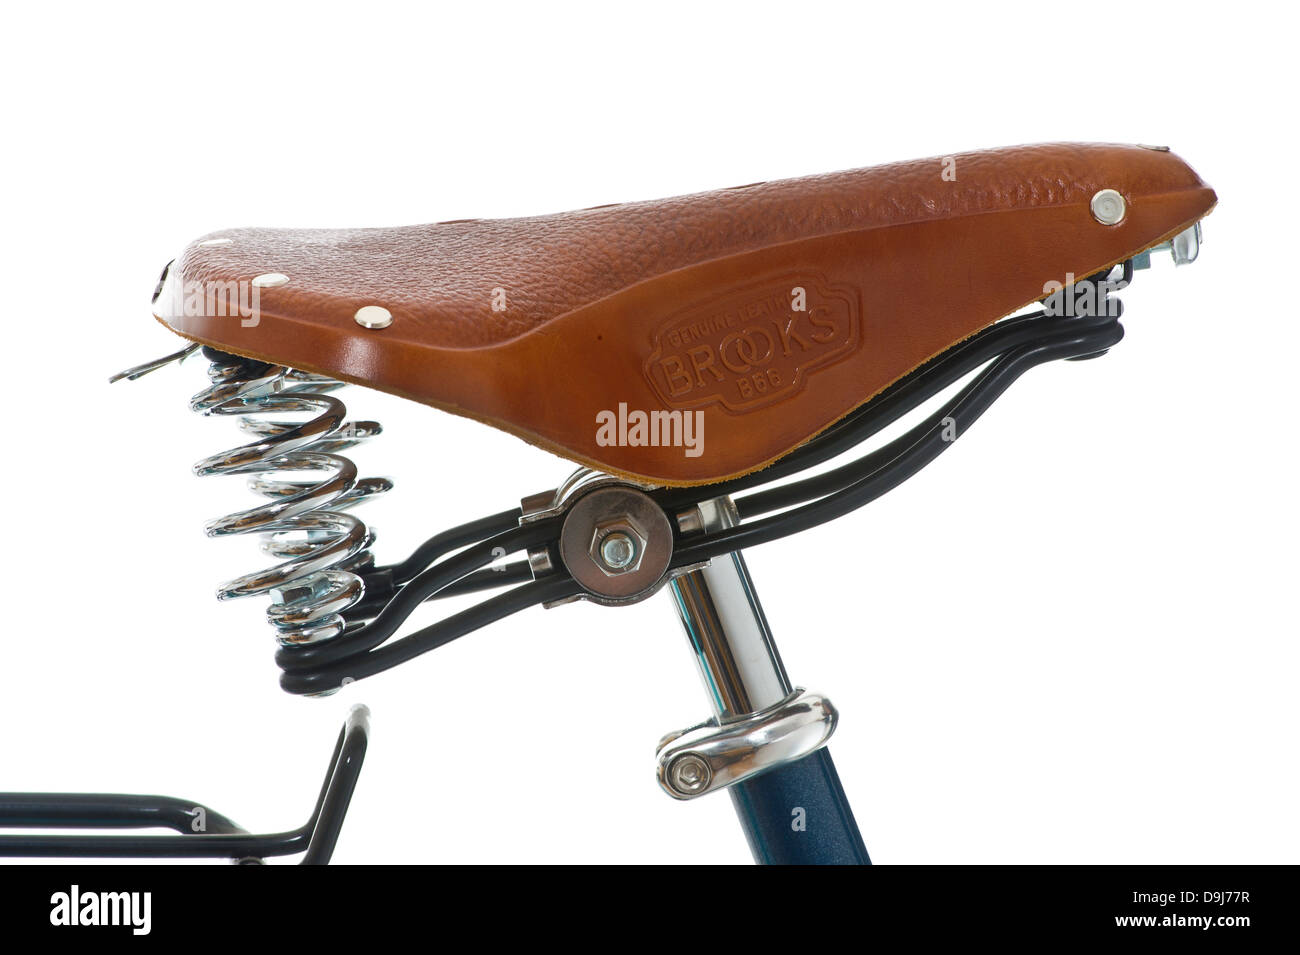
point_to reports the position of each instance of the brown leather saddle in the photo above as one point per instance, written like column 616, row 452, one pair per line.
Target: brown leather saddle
column 688, row 340
column 684, row 342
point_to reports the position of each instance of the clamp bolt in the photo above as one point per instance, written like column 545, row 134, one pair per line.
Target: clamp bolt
column 617, row 550
column 689, row 774
column 617, row 545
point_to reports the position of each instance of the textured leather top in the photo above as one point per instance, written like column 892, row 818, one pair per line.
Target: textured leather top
column 771, row 309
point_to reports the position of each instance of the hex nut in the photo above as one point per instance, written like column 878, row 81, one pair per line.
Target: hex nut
column 606, row 510
column 604, row 529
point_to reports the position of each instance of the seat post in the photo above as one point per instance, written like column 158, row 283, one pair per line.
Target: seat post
column 727, row 629
column 766, row 739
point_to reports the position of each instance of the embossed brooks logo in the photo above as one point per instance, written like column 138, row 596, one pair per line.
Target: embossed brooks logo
column 755, row 345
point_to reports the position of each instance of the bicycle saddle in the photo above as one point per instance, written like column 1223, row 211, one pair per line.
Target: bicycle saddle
column 690, row 340
column 706, row 355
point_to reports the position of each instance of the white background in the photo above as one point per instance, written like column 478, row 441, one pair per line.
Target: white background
column 1072, row 639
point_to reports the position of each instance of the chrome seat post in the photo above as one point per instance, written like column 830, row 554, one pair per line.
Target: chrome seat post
column 766, row 741
column 724, row 622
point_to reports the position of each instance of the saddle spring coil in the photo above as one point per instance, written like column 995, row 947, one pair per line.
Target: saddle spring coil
column 323, row 549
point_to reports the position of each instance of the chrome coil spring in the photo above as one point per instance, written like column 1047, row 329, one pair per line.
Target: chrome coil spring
column 323, row 549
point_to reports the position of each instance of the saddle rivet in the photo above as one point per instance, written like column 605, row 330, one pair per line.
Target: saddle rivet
column 373, row 316
column 216, row 242
column 1108, row 207
column 270, row 280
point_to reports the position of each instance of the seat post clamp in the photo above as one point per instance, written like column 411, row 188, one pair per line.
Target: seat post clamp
column 713, row 755
column 615, row 540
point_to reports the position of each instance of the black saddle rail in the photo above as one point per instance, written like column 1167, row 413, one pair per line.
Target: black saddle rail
column 201, row 832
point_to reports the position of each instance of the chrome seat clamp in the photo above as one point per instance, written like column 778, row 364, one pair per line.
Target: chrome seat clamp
column 713, row 755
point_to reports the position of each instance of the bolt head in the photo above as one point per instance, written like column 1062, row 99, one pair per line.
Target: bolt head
column 617, row 550
column 617, row 546
column 689, row 774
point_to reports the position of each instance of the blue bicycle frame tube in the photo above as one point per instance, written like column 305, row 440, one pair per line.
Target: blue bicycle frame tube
column 797, row 814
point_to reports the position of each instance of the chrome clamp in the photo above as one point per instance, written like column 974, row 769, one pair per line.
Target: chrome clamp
column 615, row 541
column 760, row 720
column 715, row 755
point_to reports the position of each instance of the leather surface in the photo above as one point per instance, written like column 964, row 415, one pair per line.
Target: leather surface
column 764, row 312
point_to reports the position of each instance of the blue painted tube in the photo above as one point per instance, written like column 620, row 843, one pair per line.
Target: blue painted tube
column 798, row 815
